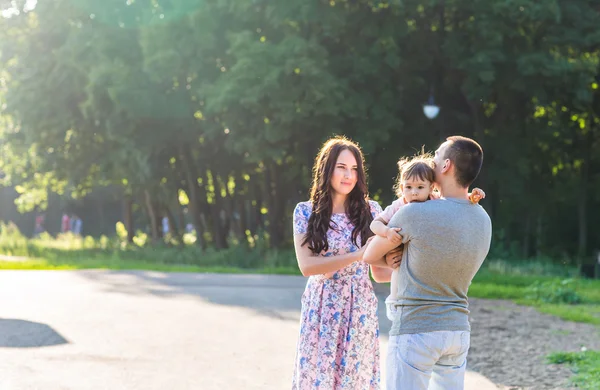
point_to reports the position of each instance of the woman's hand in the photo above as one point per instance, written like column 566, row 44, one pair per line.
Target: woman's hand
column 361, row 252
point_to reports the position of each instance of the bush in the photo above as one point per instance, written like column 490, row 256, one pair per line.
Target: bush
column 554, row 292
column 530, row 267
column 68, row 248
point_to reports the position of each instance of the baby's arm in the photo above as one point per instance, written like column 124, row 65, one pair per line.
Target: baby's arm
column 378, row 226
column 392, row 234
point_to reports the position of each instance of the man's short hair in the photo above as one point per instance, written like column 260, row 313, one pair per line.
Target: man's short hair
column 467, row 157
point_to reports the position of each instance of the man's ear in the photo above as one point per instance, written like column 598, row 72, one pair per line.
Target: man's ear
column 446, row 165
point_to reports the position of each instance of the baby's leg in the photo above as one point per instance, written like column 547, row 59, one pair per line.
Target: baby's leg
column 394, row 284
column 390, row 301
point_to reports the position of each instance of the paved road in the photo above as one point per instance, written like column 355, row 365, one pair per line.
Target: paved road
column 96, row 330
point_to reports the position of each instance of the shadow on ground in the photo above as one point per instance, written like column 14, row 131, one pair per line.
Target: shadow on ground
column 27, row 334
column 275, row 296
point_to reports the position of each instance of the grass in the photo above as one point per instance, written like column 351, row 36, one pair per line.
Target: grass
column 491, row 285
column 586, row 366
column 498, row 279
column 71, row 252
column 116, row 264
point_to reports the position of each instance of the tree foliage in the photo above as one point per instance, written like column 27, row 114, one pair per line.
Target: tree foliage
column 224, row 104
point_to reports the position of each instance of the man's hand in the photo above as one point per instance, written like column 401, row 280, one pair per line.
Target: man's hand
column 394, row 257
column 393, row 235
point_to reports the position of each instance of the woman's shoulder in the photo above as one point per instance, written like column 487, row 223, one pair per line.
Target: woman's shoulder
column 301, row 216
column 303, row 209
column 375, row 207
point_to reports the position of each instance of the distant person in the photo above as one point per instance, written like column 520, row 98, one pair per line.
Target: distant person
column 165, row 225
column 65, row 223
column 76, row 224
column 39, row 225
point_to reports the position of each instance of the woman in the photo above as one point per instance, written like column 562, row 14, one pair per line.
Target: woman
column 338, row 346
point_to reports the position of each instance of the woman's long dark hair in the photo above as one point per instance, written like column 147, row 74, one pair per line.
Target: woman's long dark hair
column 357, row 206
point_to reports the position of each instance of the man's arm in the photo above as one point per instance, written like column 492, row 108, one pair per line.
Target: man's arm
column 381, row 275
column 382, row 269
column 375, row 252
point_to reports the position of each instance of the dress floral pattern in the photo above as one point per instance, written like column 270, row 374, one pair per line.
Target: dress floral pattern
column 338, row 347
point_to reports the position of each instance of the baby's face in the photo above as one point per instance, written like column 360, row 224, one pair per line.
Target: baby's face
column 416, row 190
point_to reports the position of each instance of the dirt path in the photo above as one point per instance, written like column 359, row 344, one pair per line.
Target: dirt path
column 509, row 344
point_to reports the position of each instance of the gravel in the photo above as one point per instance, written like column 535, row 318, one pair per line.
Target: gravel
column 510, row 343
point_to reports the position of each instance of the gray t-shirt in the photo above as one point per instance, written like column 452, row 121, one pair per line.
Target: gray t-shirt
column 446, row 243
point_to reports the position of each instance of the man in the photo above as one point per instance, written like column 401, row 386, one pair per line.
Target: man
column 446, row 241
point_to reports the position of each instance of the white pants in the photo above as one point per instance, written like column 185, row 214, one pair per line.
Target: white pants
column 427, row 361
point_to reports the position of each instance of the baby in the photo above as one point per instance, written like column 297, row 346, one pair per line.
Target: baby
column 415, row 183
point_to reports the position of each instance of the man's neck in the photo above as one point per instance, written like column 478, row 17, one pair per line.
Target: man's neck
column 453, row 190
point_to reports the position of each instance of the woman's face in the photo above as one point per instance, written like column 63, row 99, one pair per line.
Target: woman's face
column 345, row 173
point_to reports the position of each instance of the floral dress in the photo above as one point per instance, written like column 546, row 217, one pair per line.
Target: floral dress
column 338, row 347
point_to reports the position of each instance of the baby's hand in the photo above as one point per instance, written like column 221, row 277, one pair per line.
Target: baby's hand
column 434, row 195
column 476, row 195
column 393, row 235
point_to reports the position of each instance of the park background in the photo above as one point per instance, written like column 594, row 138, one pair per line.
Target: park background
column 210, row 113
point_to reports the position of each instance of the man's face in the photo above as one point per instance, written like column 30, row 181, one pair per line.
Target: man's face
column 439, row 162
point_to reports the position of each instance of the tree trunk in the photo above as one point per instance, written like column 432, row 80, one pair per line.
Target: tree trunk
column 191, row 178
column 527, row 236
column 258, row 198
column 154, row 228
column 203, row 208
column 128, row 217
column 101, row 216
column 181, row 216
column 539, row 236
column 175, row 232
column 275, row 196
column 219, row 237
column 583, row 196
column 226, row 206
column 242, row 205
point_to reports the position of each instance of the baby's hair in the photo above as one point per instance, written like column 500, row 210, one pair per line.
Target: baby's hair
column 416, row 167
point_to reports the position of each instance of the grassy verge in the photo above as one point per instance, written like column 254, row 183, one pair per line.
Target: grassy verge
column 491, row 285
column 585, row 365
column 118, row 264
column 488, row 283
column 498, row 279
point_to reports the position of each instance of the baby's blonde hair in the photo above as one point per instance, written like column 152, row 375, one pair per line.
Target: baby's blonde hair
column 416, row 167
